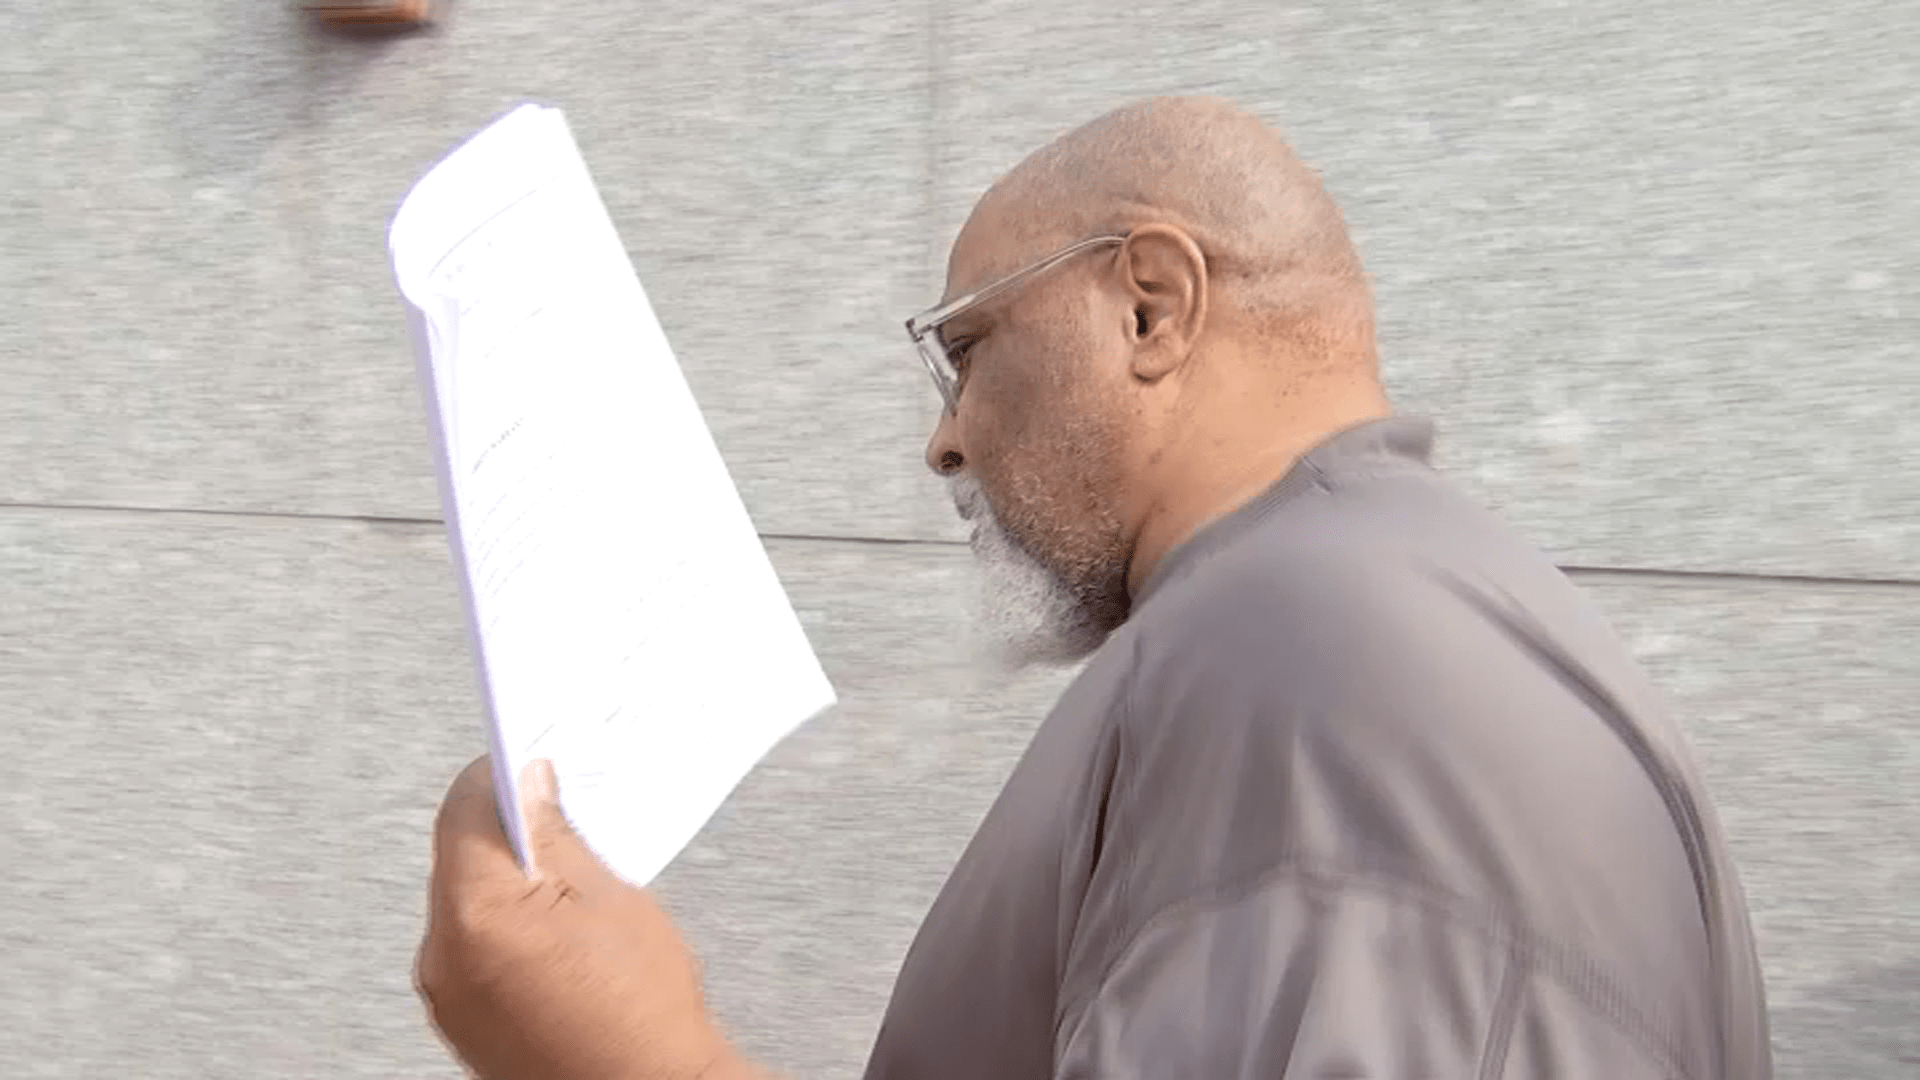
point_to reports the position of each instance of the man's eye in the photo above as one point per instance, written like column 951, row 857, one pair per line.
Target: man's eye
column 957, row 353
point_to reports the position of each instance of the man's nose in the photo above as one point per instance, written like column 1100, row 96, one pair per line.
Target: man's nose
column 943, row 450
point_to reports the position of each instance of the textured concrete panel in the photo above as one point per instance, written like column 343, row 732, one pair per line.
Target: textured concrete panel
column 1653, row 266
column 225, row 742
column 227, row 737
column 1801, row 702
column 201, row 310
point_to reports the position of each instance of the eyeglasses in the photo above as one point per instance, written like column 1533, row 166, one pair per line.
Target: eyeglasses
column 924, row 328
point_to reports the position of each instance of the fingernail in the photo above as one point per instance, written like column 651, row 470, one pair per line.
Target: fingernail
column 538, row 785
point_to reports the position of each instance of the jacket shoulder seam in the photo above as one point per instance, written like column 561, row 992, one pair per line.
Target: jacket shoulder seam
column 1530, row 952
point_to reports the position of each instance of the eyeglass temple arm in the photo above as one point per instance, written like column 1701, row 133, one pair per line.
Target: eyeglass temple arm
column 919, row 323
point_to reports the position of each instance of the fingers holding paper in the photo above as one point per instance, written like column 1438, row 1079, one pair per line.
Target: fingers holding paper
column 569, row 974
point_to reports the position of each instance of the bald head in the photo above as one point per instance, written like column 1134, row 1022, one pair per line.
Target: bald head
column 1217, row 325
column 1275, row 243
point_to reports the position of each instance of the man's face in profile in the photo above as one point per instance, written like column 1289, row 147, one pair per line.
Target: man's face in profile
column 1032, row 452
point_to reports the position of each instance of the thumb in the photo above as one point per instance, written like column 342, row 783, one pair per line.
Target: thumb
column 555, row 847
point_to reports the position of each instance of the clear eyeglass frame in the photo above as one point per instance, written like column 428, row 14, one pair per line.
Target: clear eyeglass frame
column 924, row 328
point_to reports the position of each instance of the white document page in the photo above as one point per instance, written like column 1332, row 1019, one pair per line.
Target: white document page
column 625, row 618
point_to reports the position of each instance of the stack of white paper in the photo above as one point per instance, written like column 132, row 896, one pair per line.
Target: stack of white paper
column 625, row 618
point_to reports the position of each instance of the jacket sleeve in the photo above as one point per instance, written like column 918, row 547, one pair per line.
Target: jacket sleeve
column 1315, row 974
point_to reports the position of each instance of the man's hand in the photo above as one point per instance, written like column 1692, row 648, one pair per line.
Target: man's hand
column 573, row 975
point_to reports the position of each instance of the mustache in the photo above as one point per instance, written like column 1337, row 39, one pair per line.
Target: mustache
column 969, row 501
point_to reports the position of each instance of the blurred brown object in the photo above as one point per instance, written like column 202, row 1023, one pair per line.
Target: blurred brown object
column 373, row 12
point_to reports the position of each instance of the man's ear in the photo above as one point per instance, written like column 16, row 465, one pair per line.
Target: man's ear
column 1165, row 275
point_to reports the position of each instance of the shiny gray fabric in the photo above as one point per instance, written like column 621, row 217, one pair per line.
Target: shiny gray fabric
column 1363, row 789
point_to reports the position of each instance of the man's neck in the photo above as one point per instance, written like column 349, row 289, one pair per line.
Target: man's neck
column 1219, row 477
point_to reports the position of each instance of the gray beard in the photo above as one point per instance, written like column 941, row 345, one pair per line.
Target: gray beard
column 1024, row 614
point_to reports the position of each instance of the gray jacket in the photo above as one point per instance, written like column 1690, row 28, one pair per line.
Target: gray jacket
column 1363, row 788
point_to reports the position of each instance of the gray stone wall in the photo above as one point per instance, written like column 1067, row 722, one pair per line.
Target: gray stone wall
column 1653, row 267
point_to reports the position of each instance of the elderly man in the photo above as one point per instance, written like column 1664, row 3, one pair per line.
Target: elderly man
column 1354, row 783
